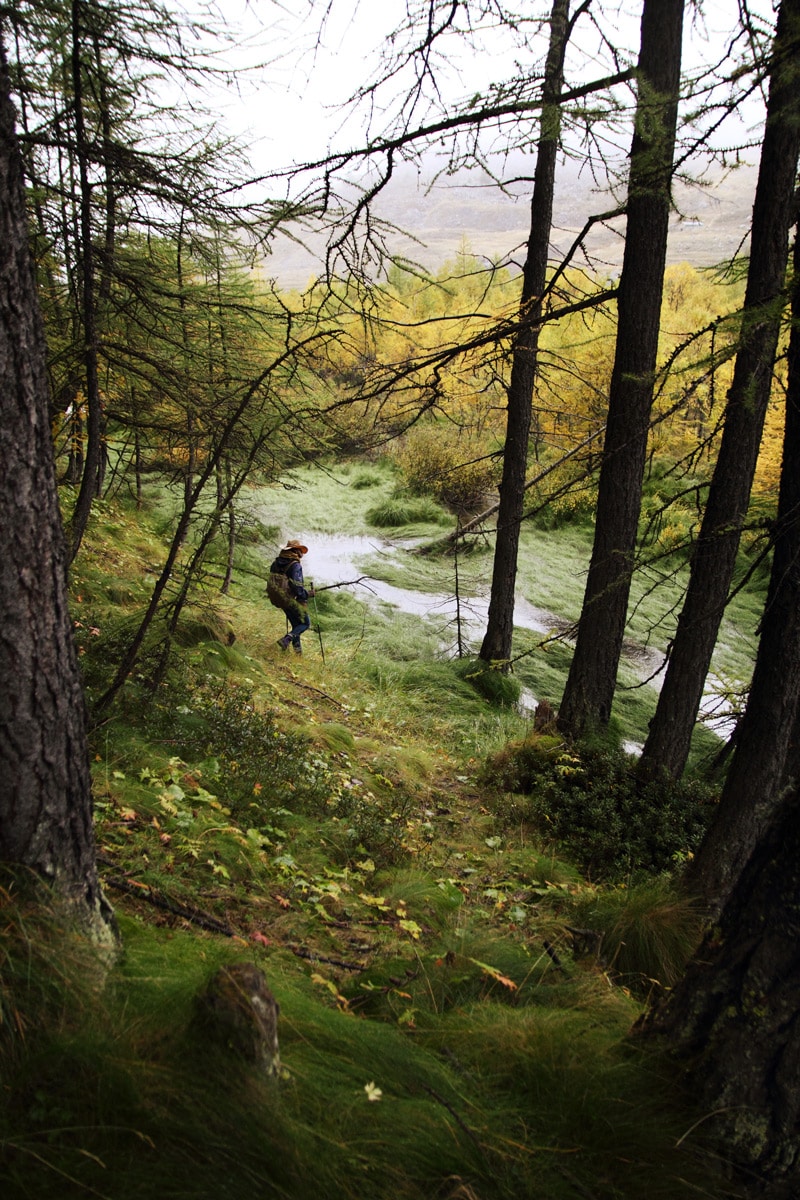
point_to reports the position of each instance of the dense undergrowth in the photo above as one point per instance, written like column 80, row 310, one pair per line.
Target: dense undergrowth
column 455, row 990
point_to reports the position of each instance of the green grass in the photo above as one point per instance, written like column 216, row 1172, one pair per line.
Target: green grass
column 400, row 510
column 551, row 576
column 329, row 499
column 530, row 1092
column 414, row 928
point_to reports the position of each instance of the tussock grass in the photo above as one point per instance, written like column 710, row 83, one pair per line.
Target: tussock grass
column 589, row 1100
column 495, row 686
column 401, row 509
column 650, row 929
column 48, row 970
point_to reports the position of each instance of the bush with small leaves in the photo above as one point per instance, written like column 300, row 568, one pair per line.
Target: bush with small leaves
column 456, row 470
column 223, row 721
column 592, row 804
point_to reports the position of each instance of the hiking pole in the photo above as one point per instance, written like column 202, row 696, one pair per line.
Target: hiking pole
column 319, row 631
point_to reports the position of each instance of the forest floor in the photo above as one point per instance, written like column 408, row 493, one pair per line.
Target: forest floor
column 446, row 1028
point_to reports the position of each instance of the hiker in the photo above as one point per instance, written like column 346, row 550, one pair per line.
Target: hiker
column 286, row 591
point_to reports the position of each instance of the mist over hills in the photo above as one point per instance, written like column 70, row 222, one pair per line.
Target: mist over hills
column 710, row 223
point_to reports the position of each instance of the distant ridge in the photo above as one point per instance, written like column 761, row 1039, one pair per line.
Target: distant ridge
column 710, row 225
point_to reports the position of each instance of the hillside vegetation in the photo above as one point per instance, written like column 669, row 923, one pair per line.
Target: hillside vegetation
column 459, row 917
column 462, row 900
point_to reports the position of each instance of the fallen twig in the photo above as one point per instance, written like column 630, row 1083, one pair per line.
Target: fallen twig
column 312, row 956
column 461, row 1123
column 327, row 587
column 188, row 912
column 308, row 688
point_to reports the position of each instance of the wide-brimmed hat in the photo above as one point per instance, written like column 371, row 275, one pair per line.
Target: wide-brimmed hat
column 295, row 545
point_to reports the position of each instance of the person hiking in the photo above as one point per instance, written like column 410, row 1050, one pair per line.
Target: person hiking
column 286, row 590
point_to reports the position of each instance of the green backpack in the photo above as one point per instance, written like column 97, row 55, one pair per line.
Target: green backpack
column 279, row 592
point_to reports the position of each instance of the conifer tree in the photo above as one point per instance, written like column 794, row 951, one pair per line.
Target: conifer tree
column 45, row 785
column 592, row 677
column 714, row 555
column 524, row 354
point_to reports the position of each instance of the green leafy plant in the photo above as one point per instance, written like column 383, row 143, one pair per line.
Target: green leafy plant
column 591, row 803
column 254, row 756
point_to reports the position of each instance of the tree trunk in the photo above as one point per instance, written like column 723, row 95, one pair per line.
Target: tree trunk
column 791, row 766
column 755, row 778
column 714, row 557
column 496, row 645
column 231, row 540
column 592, row 677
column 94, row 421
column 45, row 787
column 734, row 1016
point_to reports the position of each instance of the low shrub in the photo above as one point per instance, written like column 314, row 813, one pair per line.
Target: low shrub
column 221, row 722
column 595, row 807
column 369, row 824
column 456, row 470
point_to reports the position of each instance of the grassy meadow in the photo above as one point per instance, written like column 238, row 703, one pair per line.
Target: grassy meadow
column 382, row 833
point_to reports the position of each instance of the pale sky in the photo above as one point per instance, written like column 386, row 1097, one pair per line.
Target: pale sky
column 288, row 111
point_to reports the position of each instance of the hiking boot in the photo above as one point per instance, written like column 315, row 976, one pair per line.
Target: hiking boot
column 284, row 642
column 298, row 649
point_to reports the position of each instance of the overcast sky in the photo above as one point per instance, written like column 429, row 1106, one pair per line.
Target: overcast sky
column 289, row 109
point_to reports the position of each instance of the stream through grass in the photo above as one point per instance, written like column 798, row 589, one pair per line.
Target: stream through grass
column 329, row 512
column 335, row 559
column 357, row 562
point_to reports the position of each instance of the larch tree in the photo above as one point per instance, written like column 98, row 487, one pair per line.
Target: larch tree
column 714, row 556
column 756, row 778
column 589, row 690
column 107, row 174
column 732, row 1021
column 496, row 646
column 45, row 785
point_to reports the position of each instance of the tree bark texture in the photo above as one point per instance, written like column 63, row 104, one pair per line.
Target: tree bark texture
column 734, row 1019
column 496, row 645
column 592, row 677
column 714, row 556
column 45, row 787
column 756, row 774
